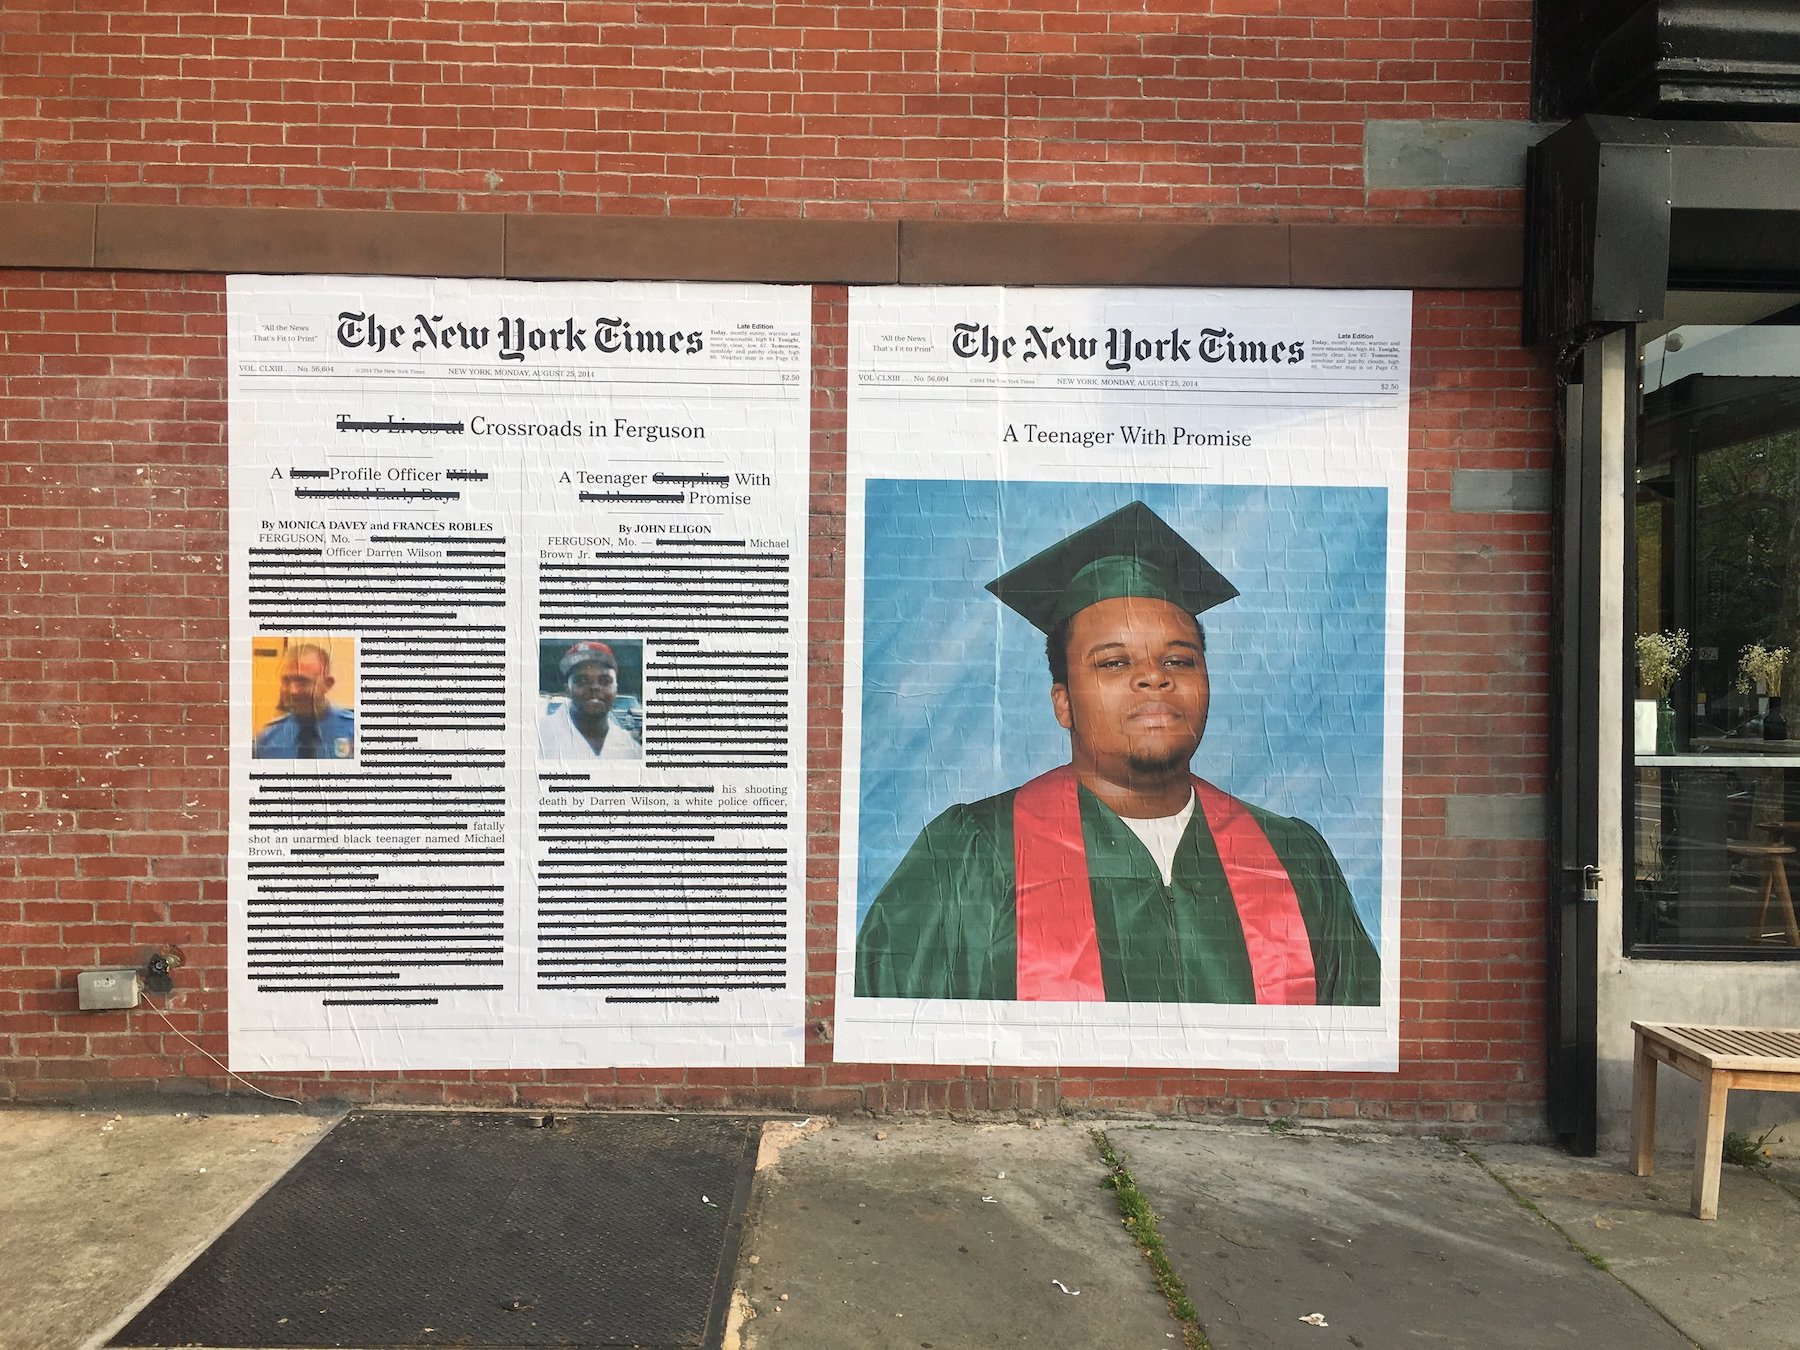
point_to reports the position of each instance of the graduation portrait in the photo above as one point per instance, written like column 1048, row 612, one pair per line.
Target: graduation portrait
column 1122, row 743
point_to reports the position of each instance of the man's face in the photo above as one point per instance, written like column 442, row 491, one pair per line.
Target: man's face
column 1136, row 700
column 304, row 685
column 592, row 686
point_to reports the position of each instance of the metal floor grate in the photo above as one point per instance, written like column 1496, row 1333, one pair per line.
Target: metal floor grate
column 434, row 1228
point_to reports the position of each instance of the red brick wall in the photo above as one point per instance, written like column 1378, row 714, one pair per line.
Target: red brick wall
column 112, row 429
column 1472, row 919
column 113, row 749
column 1235, row 109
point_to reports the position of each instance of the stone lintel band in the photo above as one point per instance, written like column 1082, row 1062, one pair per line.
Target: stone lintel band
column 925, row 252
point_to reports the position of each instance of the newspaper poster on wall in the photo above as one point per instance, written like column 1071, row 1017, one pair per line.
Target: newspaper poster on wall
column 1124, row 634
column 518, row 613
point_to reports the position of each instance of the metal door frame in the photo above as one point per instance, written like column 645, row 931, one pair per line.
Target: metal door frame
column 1596, row 422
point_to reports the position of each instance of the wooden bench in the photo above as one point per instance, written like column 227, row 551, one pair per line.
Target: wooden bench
column 1719, row 1059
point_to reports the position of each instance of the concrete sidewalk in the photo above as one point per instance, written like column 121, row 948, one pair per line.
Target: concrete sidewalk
column 931, row 1233
column 100, row 1209
column 916, row 1233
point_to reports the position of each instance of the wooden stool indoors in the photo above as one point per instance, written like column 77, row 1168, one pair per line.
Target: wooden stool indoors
column 1763, row 1059
column 1774, row 887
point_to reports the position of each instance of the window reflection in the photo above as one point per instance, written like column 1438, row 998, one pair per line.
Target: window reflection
column 1717, row 556
column 1715, row 852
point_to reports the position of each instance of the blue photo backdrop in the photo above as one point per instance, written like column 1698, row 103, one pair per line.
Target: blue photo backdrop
column 956, row 692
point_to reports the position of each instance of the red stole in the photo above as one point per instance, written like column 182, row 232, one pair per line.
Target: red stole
column 1059, row 951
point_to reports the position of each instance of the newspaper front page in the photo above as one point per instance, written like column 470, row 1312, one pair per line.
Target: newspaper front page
column 1183, row 850
column 518, row 599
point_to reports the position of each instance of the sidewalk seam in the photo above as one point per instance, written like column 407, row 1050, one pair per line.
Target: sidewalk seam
column 1594, row 1259
column 1140, row 1219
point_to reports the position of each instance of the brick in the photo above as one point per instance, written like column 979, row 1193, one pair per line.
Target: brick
column 1105, row 114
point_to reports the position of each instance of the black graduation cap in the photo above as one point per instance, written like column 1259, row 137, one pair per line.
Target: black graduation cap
column 1131, row 552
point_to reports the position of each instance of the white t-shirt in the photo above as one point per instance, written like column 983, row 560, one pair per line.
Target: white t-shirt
column 560, row 738
column 1161, row 835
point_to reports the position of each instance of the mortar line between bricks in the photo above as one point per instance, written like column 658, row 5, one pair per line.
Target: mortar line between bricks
column 1595, row 1260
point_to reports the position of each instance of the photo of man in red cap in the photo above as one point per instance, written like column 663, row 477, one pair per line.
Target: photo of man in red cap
column 583, row 726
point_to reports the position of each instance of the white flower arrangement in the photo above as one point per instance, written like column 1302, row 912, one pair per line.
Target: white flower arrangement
column 1660, row 658
column 1761, row 666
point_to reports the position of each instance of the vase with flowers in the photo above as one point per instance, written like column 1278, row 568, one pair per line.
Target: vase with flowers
column 1660, row 659
column 1760, row 670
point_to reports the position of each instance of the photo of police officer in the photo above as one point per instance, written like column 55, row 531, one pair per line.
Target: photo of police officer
column 313, row 695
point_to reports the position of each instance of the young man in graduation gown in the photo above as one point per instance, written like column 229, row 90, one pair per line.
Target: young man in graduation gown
column 1119, row 876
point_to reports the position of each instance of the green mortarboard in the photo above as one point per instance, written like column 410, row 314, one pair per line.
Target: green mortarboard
column 1131, row 552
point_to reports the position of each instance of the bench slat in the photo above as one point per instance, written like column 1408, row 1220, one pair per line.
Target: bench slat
column 1766, row 1049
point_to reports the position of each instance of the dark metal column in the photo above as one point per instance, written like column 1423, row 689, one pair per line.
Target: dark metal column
column 1588, row 689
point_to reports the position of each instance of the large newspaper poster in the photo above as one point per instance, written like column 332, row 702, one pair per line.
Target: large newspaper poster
column 1124, row 636
column 518, row 599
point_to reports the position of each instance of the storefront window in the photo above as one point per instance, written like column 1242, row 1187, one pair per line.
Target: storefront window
column 1716, row 566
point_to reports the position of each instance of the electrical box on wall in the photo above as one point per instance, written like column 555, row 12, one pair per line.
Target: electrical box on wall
column 108, row 988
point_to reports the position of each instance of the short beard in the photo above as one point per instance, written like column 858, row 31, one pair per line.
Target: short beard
column 1160, row 766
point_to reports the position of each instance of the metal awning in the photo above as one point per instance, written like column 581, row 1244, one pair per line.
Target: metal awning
column 1619, row 209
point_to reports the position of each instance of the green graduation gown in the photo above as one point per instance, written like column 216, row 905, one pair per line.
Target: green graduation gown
column 945, row 926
